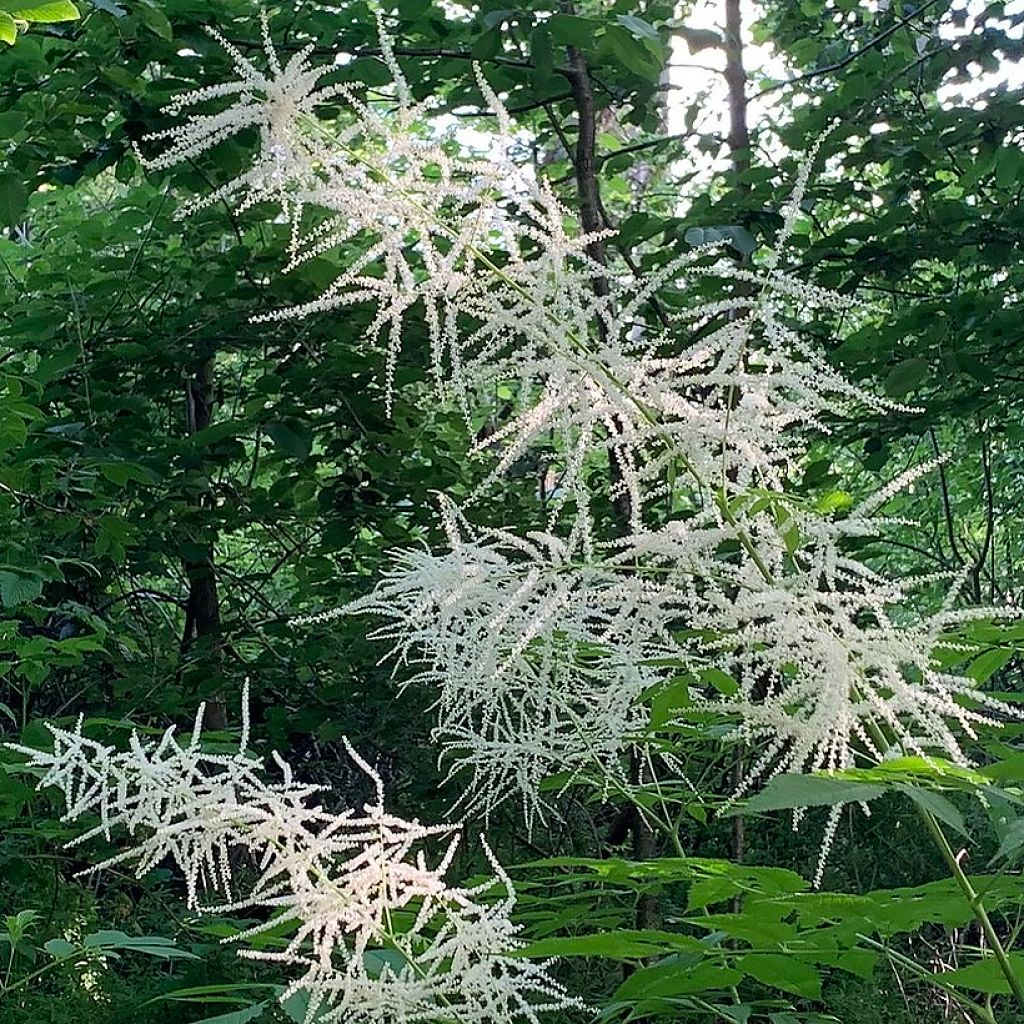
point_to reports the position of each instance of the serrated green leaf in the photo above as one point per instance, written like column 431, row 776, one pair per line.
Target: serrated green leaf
column 682, row 976
column 59, row 948
column 613, row 945
column 789, row 792
column 48, row 12
column 985, row 975
column 16, row 588
column 937, row 805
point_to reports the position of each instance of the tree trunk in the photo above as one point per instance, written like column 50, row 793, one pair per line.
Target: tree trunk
column 202, row 609
column 739, row 154
column 589, row 196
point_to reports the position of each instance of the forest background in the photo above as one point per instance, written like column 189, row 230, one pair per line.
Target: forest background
column 178, row 484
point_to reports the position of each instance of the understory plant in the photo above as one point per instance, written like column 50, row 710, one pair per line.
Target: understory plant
column 673, row 579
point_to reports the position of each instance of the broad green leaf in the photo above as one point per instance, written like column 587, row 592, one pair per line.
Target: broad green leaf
column 1012, row 841
column 615, row 945
column 640, row 28
column 495, row 19
column 292, row 440
column 782, row 972
column 572, row 30
column 708, row 891
column 934, row 770
column 16, row 588
column 242, row 1016
column 937, row 805
column 721, row 681
column 1009, row 166
column 985, row 975
column 59, row 948
column 542, row 55
column 987, row 664
column 757, row 924
column 155, row 20
column 377, row 960
column 13, row 196
column 631, row 53
column 9, row 35
column 150, row 945
column 47, row 12
column 230, row 428
column 698, row 39
column 906, row 376
column 206, row 993
column 789, row 792
column 679, row 977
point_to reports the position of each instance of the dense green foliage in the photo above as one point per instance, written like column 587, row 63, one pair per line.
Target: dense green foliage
column 177, row 484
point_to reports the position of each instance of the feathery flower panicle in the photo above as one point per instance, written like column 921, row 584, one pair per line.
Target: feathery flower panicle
column 174, row 800
column 478, row 242
column 381, row 936
column 273, row 102
column 825, row 674
column 538, row 660
column 369, row 173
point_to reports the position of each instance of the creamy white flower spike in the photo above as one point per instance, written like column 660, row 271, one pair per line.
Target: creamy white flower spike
column 380, row 934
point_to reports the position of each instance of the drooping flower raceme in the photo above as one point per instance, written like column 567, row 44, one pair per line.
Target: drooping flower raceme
column 380, row 934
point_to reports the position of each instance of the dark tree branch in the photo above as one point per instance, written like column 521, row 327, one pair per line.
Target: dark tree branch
column 850, row 58
column 429, row 52
column 986, row 545
column 947, row 508
column 585, row 162
column 736, row 79
column 588, row 193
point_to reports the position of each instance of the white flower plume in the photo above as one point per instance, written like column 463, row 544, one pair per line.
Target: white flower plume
column 380, row 934
column 826, row 674
column 538, row 660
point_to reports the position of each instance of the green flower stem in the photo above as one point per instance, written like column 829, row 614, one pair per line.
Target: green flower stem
column 975, row 901
column 78, row 954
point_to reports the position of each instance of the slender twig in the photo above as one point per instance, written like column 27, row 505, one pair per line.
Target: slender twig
column 983, row 1012
column 851, row 57
column 946, row 506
